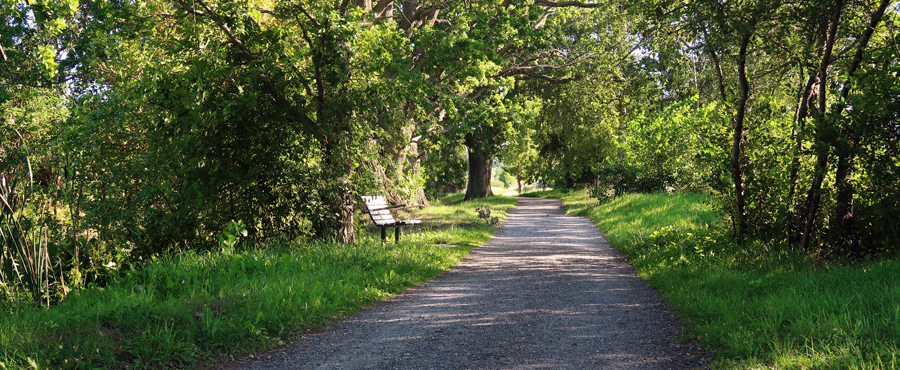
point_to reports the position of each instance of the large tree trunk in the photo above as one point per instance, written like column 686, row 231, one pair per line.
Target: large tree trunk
column 479, row 185
column 737, row 171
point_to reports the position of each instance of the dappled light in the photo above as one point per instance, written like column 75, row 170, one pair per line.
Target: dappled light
column 764, row 133
column 547, row 292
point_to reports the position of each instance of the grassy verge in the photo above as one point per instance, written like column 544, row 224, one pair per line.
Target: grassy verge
column 757, row 306
column 193, row 308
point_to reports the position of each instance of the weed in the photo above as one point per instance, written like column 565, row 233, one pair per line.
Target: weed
column 485, row 214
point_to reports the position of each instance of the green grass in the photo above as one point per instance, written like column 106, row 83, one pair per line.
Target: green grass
column 756, row 306
column 196, row 308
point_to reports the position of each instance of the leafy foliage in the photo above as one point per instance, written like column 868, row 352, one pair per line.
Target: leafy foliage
column 757, row 304
column 183, row 310
column 678, row 150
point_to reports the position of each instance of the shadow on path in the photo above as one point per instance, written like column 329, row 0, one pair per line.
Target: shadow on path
column 547, row 292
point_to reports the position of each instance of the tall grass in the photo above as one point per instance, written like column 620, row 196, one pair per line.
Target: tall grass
column 198, row 307
column 759, row 306
column 24, row 237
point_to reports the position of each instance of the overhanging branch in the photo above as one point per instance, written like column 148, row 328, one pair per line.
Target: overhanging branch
column 556, row 80
column 530, row 69
column 218, row 21
column 563, row 4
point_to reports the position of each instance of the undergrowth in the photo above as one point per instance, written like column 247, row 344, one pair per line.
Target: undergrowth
column 195, row 308
column 758, row 306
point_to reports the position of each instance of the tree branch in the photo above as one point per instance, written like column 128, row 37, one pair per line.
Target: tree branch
column 426, row 12
column 308, row 16
column 218, row 21
column 264, row 10
column 563, row 4
column 381, row 6
column 556, row 80
column 550, row 11
column 526, row 70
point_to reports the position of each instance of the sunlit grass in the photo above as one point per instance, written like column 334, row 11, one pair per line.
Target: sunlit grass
column 758, row 306
column 198, row 307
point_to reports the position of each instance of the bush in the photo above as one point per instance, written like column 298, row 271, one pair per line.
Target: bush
column 614, row 180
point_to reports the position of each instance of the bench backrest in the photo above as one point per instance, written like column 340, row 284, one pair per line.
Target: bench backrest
column 378, row 210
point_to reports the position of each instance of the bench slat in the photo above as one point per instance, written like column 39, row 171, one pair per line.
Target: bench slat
column 380, row 212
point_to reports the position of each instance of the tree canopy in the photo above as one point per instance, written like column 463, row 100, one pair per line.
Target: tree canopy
column 144, row 128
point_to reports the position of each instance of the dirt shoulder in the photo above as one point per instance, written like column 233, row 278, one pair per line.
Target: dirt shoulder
column 548, row 292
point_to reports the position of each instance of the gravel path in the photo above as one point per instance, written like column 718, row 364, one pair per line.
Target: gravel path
column 547, row 292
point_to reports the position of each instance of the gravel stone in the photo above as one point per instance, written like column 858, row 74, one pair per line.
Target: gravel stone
column 547, row 292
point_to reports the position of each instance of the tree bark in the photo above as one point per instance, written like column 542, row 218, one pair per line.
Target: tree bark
column 719, row 73
column 479, row 185
column 366, row 5
column 804, row 97
column 814, row 197
column 844, row 236
column 347, row 232
column 415, row 171
column 737, row 172
column 336, row 134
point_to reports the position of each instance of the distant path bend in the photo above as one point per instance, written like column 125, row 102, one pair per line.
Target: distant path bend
column 547, row 292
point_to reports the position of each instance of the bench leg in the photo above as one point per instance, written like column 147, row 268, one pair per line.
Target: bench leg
column 383, row 235
column 396, row 234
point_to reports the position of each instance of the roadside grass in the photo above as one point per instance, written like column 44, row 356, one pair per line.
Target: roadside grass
column 199, row 308
column 755, row 306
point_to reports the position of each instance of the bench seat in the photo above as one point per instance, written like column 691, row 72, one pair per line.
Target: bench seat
column 380, row 212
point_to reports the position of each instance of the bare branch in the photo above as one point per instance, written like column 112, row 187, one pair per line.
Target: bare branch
column 427, row 12
column 774, row 69
column 221, row 24
column 544, row 17
column 308, row 16
column 563, row 4
column 264, row 10
column 556, row 80
column 527, row 70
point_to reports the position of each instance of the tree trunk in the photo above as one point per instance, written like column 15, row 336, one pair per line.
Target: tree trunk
column 814, row 197
column 347, row 232
column 843, row 233
column 719, row 73
column 519, row 180
column 479, row 185
column 806, row 94
column 366, row 5
column 844, row 236
column 737, row 172
column 336, row 216
column 415, row 171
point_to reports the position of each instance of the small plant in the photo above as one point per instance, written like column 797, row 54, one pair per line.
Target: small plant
column 25, row 226
column 485, row 214
column 231, row 235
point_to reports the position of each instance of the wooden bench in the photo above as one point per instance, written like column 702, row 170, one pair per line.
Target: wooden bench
column 380, row 212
